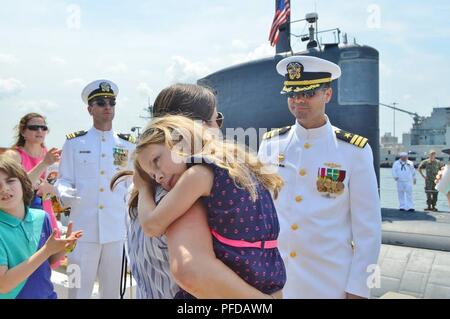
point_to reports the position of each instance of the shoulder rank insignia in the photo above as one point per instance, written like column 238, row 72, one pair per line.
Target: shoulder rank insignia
column 75, row 134
column 278, row 131
column 127, row 137
column 354, row 139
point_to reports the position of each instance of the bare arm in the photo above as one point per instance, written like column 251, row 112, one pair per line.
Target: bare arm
column 10, row 278
column 194, row 183
column 51, row 157
column 194, row 264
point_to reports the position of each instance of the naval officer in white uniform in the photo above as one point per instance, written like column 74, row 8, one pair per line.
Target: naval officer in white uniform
column 88, row 162
column 329, row 208
column 404, row 174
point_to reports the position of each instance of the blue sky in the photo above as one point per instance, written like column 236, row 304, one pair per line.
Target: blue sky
column 50, row 49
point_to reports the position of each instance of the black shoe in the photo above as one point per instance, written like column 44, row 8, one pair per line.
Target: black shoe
column 403, row 210
column 411, row 210
column 435, row 209
column 427, row 209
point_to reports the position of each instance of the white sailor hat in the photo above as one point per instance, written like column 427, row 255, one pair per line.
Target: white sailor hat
column 305, row 73
column 99, row 89
column 403, row 154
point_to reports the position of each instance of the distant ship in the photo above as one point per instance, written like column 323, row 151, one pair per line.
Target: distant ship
column 427, row 133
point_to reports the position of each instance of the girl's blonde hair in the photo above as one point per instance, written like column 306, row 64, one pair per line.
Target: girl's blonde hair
column 189, row 138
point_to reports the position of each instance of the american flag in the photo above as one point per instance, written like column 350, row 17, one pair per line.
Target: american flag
column 281, row 15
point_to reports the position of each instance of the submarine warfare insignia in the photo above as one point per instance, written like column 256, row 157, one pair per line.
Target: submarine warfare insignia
column 330, row 181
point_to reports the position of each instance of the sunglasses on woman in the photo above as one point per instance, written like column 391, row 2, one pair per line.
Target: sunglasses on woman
column 219, row 119
column 37, row 127
column 102, row 102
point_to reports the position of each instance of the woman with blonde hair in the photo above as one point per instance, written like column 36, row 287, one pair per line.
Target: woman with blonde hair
column 184, row 256
column 190, row 163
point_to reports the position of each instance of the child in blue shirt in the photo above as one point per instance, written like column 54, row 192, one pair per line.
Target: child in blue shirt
column 27, row 242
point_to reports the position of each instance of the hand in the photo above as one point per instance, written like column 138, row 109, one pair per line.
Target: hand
column 45, row 188
column 143, row 180
column 52, row 156
column 70, row 247
column 55, row 245
column 439, row 175
column 352, row 296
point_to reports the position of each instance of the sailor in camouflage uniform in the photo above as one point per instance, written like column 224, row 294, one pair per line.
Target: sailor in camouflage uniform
column 89, row 161
column 432, row 167
column 329, row 207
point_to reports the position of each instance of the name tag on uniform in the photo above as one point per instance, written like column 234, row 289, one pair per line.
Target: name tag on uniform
column 85, row 152
column 120, row 156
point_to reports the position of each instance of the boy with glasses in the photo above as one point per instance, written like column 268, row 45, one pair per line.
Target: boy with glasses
column 89, row 161
column 329, row 208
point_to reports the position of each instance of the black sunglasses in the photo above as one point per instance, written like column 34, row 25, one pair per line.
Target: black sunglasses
column 102, row 102
column 219, row 119
column 305, row 95
column 37, row 127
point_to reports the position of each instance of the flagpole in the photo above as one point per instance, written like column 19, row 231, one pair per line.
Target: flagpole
column 284, row 42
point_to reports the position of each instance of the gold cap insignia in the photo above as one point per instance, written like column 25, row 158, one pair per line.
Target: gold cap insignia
column 105, row 87
column 294, row 70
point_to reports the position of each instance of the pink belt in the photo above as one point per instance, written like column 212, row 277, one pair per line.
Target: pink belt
column 245, row 244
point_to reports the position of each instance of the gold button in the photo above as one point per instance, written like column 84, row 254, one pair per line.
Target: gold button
column 298, row 198
column 302, row 172
column 281, row 157
column 307, row 145
column 102, row 172
column 101, row 206
column 102, row 189
column 293, row 254
column 103, row 155
column 294, row 226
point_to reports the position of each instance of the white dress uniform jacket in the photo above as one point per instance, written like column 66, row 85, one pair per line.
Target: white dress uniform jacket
column 88, row 163
column 404, row 173
column 319, row 229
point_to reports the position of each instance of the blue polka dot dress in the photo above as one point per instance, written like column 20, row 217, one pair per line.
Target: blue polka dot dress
column 233, row 215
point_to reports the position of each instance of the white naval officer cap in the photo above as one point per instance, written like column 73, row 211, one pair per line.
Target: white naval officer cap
column 305, row 73
column 99, row 89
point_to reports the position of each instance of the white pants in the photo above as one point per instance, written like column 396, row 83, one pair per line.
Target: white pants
column 92, row 261
column 404, row 190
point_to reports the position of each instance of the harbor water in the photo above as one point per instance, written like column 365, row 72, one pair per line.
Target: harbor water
column 389, row 192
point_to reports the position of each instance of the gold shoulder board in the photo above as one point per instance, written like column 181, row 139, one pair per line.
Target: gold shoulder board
column 75, row 134
column 354, row 139
column 275, row 132
column 127, row 137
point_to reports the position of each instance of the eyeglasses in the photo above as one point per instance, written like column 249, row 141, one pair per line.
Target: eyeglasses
column 37, row 127
column 102, row 102
column 219, row 119
column 304, row 95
